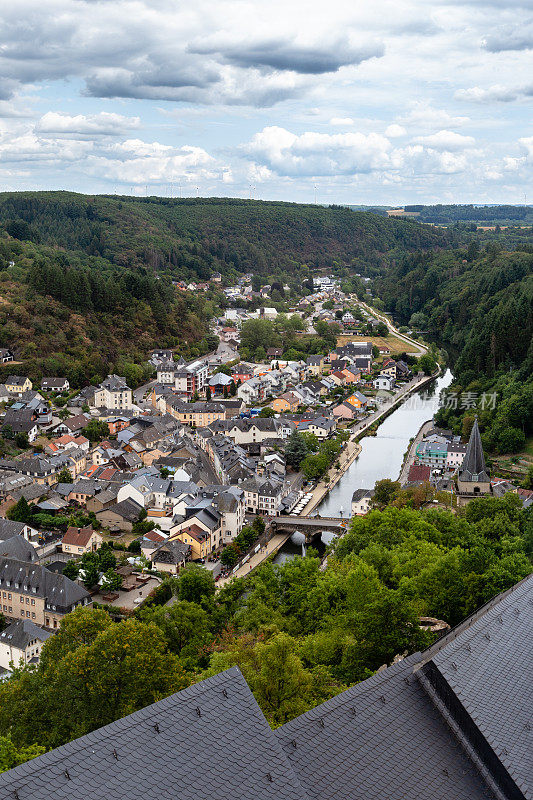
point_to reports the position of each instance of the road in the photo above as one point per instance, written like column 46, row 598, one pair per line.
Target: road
column 223, row 354
column 420, row 348
column 404, row 472
column 272, row 546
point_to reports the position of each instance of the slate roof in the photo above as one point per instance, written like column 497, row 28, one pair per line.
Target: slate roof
column 380, row 739
column 9, row 527
column 452, row 723
column 127, row 509
column 481, row 675
column 208, row 741
column 35, row 580
column 21, row 632
column 18, row 547
column 473, row 468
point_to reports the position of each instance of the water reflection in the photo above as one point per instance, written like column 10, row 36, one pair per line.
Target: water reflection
column 381, row 457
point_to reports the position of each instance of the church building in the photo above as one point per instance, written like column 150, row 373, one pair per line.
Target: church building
column 473, row 480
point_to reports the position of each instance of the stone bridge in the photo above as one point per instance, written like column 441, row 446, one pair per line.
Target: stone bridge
column 310, row 526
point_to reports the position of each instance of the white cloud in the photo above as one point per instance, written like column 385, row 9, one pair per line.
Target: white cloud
column 496, row 93
column 389, row 81
column 510, row 37
column 527, row 144
column 342, row 122
column 394, row 131
column 103, row 124
column 314, row 154
column 446, row 140
column 140, row 162
column 132, row 161
column 424, row 115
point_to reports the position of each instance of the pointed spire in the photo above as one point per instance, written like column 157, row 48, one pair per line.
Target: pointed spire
column 474, row 463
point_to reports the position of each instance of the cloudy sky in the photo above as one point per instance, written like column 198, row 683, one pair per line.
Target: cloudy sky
column 355, row 101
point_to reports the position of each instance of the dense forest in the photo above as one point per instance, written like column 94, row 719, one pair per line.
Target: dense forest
column 477, row 304
column 79, row 316
column 298, row 633
column 191, row 238
column 485, row 215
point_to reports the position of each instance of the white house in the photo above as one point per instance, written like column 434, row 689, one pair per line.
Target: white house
column 21, row 643
column 384, row 382
column 455, row 455
column 113, row 393
column 361, row 500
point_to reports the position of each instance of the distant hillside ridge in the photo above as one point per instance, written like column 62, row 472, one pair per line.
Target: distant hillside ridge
column 194, row 237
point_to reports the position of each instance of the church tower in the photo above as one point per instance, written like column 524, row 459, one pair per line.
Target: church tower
column 473, row 480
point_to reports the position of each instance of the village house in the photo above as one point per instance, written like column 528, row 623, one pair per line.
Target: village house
column 351, row 374
column 418, row 474
column 252, row 391
column 120, row 516
column 21, row 643
column 72, row 425
column 362, row 501
column 322, row 427
column 315, row 365
column 55, row 385
column 383, row 382
column 199, row 414
column 432, row 453
column 185, row 380
column 344, row 410
column 263, row 496
column 113, row 393
column 338, row 378
column 6, row 355
column 21, row 420
column 40, row 469
column 10, row 528
column 166, row 556
column 286, row 402
column 197, row 538
column 77, row 541
column 388, row 368
column 357, row 400
column 17, row 385
column 68, row 442
column 30, row 591
column 220, row 382
column 455, row 455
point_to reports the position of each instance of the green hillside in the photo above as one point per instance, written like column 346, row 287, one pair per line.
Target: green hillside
column 479, row 306
column 191, row 238
column 80, row 316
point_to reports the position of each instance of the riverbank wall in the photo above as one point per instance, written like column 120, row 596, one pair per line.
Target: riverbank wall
column 363, row 429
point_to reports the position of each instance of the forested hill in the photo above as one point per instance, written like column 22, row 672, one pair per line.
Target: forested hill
column 479, row 305
column 70, row 314
column 192, row 238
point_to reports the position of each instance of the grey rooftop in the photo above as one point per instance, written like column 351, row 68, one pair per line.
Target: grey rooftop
column 208, row 741
column 452, row 723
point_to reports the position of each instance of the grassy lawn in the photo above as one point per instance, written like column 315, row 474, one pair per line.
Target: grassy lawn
column 517, row 463
column 394, row 344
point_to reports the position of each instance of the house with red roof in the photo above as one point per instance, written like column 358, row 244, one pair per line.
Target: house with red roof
column 78, row 541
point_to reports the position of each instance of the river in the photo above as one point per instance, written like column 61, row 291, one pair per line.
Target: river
column 381, row 455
